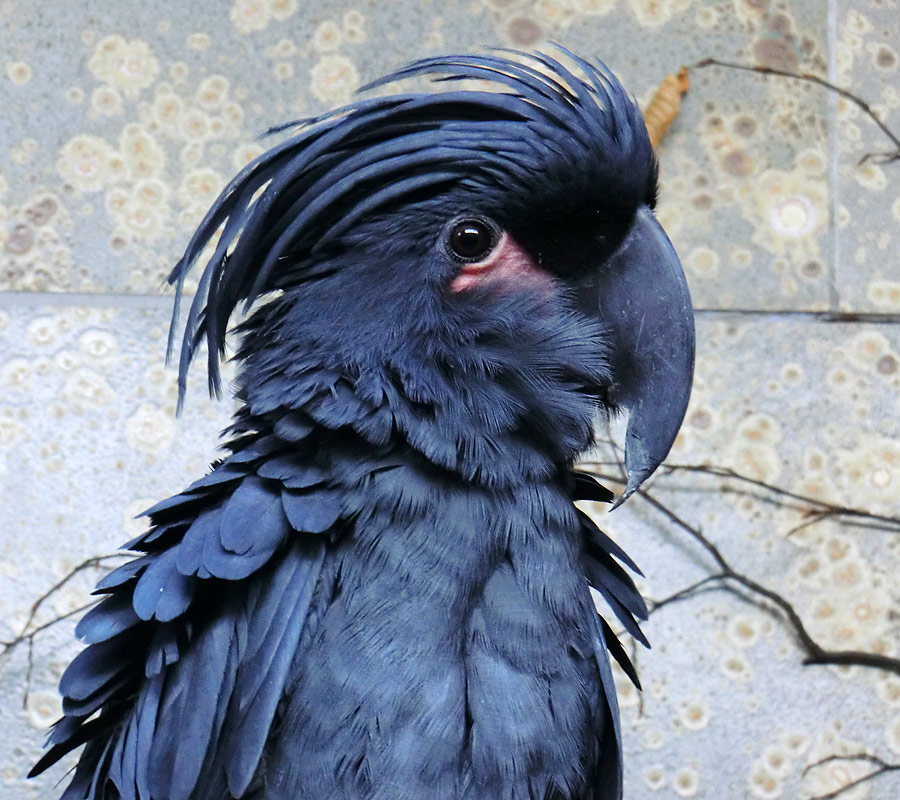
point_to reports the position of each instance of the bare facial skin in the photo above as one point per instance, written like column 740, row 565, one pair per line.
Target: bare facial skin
column 508, row 263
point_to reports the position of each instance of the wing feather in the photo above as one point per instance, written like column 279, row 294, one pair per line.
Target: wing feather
column 108, row 618
column 256, row 695
column 617, row 588
column 190, row 650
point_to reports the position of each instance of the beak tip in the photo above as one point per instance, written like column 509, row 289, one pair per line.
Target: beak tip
column 635, row 479
column 624, row 496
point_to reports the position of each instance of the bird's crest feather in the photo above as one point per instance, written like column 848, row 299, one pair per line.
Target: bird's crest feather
column 297, row 199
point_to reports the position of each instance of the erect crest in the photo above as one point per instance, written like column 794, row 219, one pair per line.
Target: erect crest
column 297, row 200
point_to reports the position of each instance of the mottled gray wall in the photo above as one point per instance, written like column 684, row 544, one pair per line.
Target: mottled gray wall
column 121, row 121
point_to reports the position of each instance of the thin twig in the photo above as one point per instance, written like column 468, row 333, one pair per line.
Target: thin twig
column 878, row 762
column 633, row 656
column 883, row 158
column 28, row 633
column 687, row 592
column 859, row 517
column 865, row 520
column 883, row 767
column 813, row 518
column 29, row 639
column 88, row 563
column 833, row 508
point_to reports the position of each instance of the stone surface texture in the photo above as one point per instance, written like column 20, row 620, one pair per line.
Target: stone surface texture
column 122, row 121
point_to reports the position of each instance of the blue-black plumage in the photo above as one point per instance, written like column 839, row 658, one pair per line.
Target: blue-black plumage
column 381, row 589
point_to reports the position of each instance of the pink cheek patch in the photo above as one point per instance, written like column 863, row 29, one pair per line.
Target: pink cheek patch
column 508, row 264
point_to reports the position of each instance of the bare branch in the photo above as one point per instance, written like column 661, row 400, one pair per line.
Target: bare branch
column 814, row 653
column 882, row 158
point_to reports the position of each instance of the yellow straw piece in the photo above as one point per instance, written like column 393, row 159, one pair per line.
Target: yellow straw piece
column 664, row 106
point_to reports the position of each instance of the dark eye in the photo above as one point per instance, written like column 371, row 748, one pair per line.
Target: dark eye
column 471, row 239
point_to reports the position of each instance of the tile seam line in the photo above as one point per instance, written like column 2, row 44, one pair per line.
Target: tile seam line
column 831, row 39
column 829, row 317
column 160, row 302
column 95, row 299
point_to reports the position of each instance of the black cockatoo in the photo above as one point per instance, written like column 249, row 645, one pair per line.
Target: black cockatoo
column 381, row 591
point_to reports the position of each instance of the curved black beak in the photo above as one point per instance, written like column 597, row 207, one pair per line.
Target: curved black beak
column 643, row 298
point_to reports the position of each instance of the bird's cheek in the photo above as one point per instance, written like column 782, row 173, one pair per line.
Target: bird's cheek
column 508, row 264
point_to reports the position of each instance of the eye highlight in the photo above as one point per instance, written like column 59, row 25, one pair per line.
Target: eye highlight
column 470, row 239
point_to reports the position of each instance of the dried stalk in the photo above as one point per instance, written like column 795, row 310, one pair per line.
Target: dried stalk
column 663, row 108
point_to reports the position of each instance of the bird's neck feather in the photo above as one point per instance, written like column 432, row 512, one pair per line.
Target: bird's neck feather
column 495, row 389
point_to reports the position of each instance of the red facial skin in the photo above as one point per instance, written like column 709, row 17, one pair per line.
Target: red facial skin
column 507, row 263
